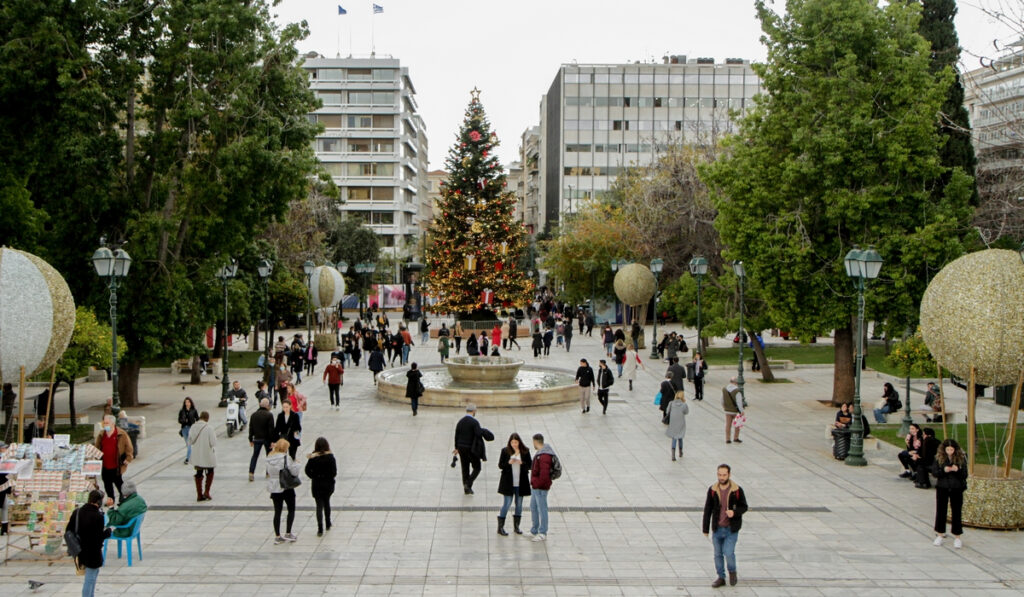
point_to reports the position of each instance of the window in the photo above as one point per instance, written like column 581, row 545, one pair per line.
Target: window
column 383, row 98
column 676, row 102
column 329, row 145
column 577, row 148
column 384, row 121
column 647, row 78
column 675, row 79
column 330, row 74
column 359, row 74
column 736, row 79
column 707, row 102
column 620, row 125
column 384, row 74
column 329, row 99
column 661, row 78
column 630, row 77
column 383, row 193
column 387, row 240
column 646, row 125
column 679, row 125
column 608, row 78
column 360, row 98
column 360, row 121
column 578, row 101
column 578, row 78
column 572, row 125
column 370, row 169
column 586, row 125
column 657, row 102
column 645, row 102
column 330, row 121
column 577, row 171
column 359, row 193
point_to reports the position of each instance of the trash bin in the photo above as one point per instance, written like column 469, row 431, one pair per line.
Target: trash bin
column 133, row 434
column 840, row 443
column 1004, row 395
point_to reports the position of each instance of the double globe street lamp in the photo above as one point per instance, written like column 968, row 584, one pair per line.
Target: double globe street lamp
column 225, row 275
column 112, row 266
column 699, row 268
column 861, row 266
column 741, row 274
column 265, row 268
column 364, row 270
column 656, row 266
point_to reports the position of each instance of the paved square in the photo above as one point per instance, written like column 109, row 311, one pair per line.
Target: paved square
column 625, row 519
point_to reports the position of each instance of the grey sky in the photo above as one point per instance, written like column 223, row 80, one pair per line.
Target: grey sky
column 511, row 50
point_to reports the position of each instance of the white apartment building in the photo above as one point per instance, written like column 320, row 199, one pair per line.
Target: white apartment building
column 994, row 98
column 374, row 144
column 597, row 119
column 532, row 209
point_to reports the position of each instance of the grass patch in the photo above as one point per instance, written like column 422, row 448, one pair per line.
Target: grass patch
column 800, row 354
column 776, row 380
column 80, row 435
column 243, row 359
column 991, row 437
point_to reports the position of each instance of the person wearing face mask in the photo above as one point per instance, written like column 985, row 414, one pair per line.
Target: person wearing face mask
column 117, row 451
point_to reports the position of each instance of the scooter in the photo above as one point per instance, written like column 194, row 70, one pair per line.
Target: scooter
column 233, row 416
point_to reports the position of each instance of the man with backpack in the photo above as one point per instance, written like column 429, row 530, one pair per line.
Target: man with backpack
column 546, row 468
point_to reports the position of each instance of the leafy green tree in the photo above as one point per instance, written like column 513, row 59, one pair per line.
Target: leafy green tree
column 840, row 150
column 351, row 241
column 90, row 346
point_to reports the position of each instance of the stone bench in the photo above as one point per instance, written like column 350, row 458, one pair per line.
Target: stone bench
column 787, row 364
column 180, row 366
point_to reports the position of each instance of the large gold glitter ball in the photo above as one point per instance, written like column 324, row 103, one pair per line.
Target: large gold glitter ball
column 972, row 314
column 327, row 287
column 634, row 284
column 37, row 315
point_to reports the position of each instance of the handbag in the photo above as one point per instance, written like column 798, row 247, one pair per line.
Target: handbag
column 72, row 539
column 739, row 421
column 657, row 399
column 287, row 479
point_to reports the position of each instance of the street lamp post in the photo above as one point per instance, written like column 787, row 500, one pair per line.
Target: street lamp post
column 861, row 266
column 343, row 268
column 656, row 265
column 112, row 266
column 365, row 270
column 307, row 268
column 699, row 267
column 265, row 268
column 741, row 273
column 225, row 275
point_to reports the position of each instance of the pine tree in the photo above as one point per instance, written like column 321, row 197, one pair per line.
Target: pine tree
column 476, row 243
column 938, row 28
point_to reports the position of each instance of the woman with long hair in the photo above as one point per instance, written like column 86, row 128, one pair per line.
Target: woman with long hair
column 950, row 470
column 322, row 469
column 676, row 414
column 186, row 417
column 277, row 460
column 514, row 463
column 289, row 427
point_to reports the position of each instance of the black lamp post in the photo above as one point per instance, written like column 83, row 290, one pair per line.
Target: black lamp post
column 656, row 265
column 343, row 268
column 112, row 266
column 861, row 266
column 365, row 270
column 225, row 275
column 307, row 268
column 265, row 268
column 741, row 274
column 699, row 267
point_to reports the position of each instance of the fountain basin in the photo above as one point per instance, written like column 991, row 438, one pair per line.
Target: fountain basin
column 531, row 386
column 483, row 370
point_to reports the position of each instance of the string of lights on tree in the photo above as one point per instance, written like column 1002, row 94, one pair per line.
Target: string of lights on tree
column 476, row 243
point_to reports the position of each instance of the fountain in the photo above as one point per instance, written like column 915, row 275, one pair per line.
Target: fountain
column 486, row 381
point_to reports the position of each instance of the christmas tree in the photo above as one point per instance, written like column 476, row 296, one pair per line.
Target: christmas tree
column 476, row 243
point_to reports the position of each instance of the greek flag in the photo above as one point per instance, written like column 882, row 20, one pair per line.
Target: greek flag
column 341, row 10
column 377, row 9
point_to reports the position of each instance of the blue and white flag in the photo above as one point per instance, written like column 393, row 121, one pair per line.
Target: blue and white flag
column 341, row 10
column 377, row 9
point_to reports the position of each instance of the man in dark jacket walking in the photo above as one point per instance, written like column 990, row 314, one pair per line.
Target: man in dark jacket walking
column 678, row 374
column 540, row 483
column 469, row 445
column 261, row 433
column 87, row 522
column 725, row 504
column 585, row 379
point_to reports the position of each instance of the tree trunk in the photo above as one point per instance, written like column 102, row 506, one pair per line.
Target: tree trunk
column 196, row 378
column 71, row 402
column 128, row 382
column 766, row 370
column 254, row 345
column 842, row 378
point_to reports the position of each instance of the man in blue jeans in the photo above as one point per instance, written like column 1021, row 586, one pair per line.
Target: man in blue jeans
column 261, row 434
column 540, row 483
column 725, row 506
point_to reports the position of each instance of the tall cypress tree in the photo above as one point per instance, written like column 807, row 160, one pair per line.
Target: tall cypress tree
column 938, row 28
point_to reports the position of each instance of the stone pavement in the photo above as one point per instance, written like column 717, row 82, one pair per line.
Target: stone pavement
column 625, row 519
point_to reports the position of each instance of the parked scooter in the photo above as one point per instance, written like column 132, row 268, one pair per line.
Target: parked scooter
column 234, row 415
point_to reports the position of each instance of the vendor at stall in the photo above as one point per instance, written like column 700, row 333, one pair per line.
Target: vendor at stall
column 117, row 451
column 37, row 429
column 131, row 505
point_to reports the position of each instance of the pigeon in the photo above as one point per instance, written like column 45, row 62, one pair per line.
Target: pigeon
column 34, row 584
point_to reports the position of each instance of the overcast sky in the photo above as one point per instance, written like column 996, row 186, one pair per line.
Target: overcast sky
column 512, row 50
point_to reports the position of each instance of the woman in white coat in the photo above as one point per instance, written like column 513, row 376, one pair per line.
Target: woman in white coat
column 632, row 362
column 203, row 441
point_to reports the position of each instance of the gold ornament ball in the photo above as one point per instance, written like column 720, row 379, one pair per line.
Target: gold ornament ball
column 972, row 314
column 635, row 284
column 466, row 161
column 477, row 227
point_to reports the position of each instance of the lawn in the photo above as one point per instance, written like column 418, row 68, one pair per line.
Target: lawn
column 991, row 437
column 79, row 435
column 243, row 359
column 800, row 354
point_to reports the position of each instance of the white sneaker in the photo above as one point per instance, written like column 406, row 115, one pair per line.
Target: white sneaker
column 938, row 541
column 957, row 543
column 538, row 538
column 290, row 537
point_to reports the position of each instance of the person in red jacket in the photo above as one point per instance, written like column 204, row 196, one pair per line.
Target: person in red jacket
column 727, row 504
column 334, row 376
column 544, row 461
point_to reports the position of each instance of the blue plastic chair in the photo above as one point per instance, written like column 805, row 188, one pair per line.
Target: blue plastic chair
column 135, row 525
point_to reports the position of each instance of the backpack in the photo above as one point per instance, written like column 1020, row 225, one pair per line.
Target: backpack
column 72, row 539
column 556, row 467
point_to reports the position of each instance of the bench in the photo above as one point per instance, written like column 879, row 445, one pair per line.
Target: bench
column 951, row 415
column 787, row 364
column 185, row 365
column 79, row 417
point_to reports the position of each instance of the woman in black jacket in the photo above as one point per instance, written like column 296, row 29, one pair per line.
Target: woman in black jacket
column 414, row 387
column 186, row 417
column 668, row 394
column 376, row 363
column 289, row 427
column 950, row 470
column 87, row 523
column 514, row 463
column 322, row 469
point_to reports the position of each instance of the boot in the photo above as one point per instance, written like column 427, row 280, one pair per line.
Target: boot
column 673, row 452
column 199, row 488
column 501, row 527
column 209, row 482
column 631, row 385
column 3, row 527
column 515, row 521
column 680, row 451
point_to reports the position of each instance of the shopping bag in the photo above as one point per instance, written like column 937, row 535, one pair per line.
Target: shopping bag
column 739, row 421
column 657, row 399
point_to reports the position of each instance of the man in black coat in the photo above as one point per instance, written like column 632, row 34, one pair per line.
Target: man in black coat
column 469, row 445
column 87, row 522
column 261, row 434
column 678, row 374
